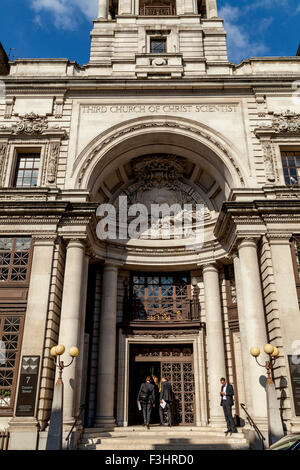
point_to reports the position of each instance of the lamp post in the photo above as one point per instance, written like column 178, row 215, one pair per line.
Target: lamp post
column 54, row 440
column 275, row 426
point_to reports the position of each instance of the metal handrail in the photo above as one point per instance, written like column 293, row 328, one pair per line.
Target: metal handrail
column 252, row 423
column 75, row 422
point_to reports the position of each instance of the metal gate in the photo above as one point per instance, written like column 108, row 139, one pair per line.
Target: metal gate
column 176, row 364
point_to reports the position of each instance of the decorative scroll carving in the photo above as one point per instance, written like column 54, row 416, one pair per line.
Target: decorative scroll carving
column 52, row 161
column 287, row 122
column 30, row 124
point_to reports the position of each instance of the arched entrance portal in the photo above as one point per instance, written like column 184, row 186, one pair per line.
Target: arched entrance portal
column 157, row 321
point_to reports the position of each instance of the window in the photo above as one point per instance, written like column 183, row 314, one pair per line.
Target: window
column 11, row 327
column 158, row 45
column 15, row 255
column 161, row 297
column 291, row 166
column 27, row 170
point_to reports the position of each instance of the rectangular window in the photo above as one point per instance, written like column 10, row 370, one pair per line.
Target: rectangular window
column 291, row 166
column 11, row 327
column 27, row 170
column 158, row 45
column 15, row 257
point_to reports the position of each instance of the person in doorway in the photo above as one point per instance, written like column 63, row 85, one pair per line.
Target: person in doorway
column 166, row 398
column 227, row 393
column 146, row 397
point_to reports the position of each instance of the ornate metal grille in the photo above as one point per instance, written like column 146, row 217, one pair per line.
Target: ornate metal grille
column 14, row 259
column 176, row 364
column 158, row 10
column 181, row 377
column 161, row 298
column 11, row 326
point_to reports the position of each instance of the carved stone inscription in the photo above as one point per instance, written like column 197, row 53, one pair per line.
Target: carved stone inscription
column 160, row 108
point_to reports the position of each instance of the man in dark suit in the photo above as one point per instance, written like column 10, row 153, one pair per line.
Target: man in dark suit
column 146, row 397
column 166, row 394
column 227, row 393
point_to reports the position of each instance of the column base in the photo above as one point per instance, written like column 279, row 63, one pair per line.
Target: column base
column 217, row 421
column 107, row 422
column 23, row 434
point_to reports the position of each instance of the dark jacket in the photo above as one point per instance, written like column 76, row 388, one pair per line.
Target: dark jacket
column 166, row 392
column 229, row 395
column 146, row 393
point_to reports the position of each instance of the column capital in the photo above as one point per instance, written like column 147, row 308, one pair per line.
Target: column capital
column 210, row 267
column 279, row 238
column 44, row 239
column 76, row 243
column 247, row 242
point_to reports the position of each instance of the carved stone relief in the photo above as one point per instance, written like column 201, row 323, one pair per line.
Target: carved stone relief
column 270, row 166
column 53, row 161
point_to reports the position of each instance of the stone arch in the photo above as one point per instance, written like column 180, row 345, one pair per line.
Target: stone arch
column 164, row 134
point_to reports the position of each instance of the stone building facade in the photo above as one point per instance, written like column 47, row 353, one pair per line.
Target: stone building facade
column 158, row 115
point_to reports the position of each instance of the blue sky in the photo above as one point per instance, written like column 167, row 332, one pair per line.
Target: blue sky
column 60, row 28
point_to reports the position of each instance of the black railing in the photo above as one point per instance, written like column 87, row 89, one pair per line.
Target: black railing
column 74, row 424
column 254, row 426
column 167, row 310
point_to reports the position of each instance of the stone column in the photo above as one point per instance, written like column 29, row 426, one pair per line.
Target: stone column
column 215, row 341
column 107, row 348
column 254, row 326
column 286, row 291
column 103, row 9
column 69, row 331
column 211, row 9
column 34, row 333
column 245, row 347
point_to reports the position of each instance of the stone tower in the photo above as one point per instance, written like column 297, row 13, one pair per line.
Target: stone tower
column 158, row 39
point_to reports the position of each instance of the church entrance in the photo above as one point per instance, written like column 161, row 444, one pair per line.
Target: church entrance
column 174, row 362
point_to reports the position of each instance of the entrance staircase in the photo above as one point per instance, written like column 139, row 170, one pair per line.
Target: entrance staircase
column 161, row 438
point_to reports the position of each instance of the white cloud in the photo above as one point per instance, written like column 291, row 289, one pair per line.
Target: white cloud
column 240, row 43
column 67, row 13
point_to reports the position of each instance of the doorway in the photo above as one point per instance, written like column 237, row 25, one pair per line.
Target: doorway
column 175, row 362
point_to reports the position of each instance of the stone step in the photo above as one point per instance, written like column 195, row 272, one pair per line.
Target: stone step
column 158, row 444
column 161, row 438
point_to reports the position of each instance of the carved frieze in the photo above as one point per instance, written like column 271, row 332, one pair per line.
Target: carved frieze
column 31, row 125
column 286, row 122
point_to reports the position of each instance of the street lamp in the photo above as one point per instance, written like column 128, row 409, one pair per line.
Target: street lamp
column 58, row 351
column 273, row 353
column 54, row 440
column 275, row 426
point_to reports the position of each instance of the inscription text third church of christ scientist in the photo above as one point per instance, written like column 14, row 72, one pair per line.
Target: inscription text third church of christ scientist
column 160, row 108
